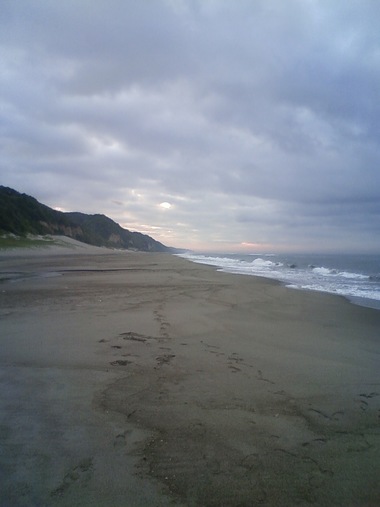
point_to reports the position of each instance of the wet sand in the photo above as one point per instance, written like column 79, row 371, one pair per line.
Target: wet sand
column 132, row 379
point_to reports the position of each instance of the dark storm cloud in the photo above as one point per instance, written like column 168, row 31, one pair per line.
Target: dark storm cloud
column 257, row 120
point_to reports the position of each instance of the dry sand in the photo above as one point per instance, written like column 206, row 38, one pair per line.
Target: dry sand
column 134, row 379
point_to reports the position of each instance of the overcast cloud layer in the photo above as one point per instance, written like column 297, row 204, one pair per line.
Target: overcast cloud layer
column 258, row 121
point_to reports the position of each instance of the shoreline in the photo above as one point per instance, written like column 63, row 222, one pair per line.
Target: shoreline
column 354, row 299
column 153, row 380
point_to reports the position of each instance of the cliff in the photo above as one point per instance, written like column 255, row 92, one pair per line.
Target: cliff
column 21, row 214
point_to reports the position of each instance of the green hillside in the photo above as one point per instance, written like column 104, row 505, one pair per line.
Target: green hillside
column 21, row 214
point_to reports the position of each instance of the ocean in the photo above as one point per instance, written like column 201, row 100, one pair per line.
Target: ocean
column 357, row 277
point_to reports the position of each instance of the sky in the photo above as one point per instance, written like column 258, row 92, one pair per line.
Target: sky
column 213, row 125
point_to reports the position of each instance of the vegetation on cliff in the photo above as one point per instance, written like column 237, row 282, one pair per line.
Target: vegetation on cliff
column 22, row 215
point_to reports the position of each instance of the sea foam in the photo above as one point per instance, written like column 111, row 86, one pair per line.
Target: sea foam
column 350, row 276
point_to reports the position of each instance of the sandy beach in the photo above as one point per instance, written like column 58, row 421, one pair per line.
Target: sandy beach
column 134, row 379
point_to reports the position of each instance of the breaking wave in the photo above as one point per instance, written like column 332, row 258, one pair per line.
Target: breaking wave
column 339, row 276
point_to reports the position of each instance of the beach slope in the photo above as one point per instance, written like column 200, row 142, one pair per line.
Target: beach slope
column 133, row 379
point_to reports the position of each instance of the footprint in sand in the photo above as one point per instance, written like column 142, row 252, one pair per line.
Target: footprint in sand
column 164, row 359
column 82, row 472
column 120, row 440
column 335, row 416
column 213, row 349
column 210, row 346
column 235, row 362
column 136, row 337
column 366, row 400
column 120, row 362
column 315, row 441
column 234, row 358
column 261, row 377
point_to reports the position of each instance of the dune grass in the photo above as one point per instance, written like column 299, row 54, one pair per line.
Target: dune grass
column 7, row 242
